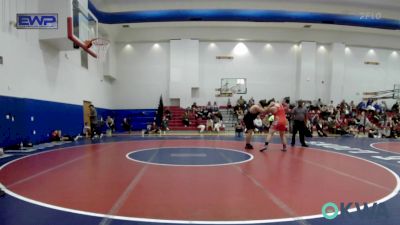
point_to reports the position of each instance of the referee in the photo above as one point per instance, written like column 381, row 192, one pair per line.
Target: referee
column 299, row 115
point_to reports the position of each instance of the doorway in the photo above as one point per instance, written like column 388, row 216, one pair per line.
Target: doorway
column 86, row 112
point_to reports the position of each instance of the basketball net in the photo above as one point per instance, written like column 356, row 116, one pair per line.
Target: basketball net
column 101, row 46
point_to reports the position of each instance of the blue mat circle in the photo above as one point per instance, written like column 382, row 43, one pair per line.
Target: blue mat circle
column 189, row 156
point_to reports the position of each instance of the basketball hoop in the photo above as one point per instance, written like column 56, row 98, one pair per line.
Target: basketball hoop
column 101, row 46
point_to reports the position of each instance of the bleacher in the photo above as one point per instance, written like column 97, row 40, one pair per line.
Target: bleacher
column 176, row 122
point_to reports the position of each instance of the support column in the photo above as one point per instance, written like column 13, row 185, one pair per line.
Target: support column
column 184, row 70
column 338, row 72
column 306, row 78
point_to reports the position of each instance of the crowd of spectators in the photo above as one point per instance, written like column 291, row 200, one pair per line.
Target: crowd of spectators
column 369, row 117
column 209, row 113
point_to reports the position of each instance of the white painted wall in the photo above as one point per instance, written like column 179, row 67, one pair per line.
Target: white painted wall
column 359, row 77
column 271, row 71
column 323, row 72
column 143, row 72
column 35, row 70
column 184, row 70
column 268, row 32
column 142, row 75
column 307, row 75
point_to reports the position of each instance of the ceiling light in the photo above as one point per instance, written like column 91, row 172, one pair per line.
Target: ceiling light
column 240, row 49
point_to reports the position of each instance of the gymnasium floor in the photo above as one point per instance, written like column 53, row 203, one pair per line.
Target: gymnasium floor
column 201, row 180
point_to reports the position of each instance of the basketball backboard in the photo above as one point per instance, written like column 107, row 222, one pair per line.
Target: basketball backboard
column 82, row 27
column 396, row 91
column 76, row 24
column 233, row 85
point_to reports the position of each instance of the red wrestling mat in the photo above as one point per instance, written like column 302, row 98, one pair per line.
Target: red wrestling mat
column 387, row 146
column 274, row 185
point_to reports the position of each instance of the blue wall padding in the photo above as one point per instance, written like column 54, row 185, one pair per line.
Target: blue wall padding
column 245, row 15
column 49, row 116
column 139, row 118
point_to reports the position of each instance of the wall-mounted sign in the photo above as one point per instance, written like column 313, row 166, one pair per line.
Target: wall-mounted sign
column 371, row 63
column 224, row 57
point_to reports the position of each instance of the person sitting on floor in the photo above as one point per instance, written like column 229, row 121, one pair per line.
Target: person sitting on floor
column 86, row 130
column 319, row 125
column 56, row 135
column 152, row 129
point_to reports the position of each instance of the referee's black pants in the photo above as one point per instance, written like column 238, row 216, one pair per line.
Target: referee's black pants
column 298, row 126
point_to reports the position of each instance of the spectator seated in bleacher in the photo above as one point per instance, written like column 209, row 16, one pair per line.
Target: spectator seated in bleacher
column 209, row 124
column 218, row 114
column 168, row 114
column 318, row 103
column 389, row 127
column 194, row 107
column 331, row 108
column 186, row 119
column 258, row 124
column 164, row 124
column 267, row 121
column 209, row 107
column 215, row 107
column 250, row 103
column 240, row 114
column 229, row 104
column 239, row 129
column 241, row 102
column 217, row 124
column 396, row 107
column 198, row 113
column 341, row 126
column 205, row 114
